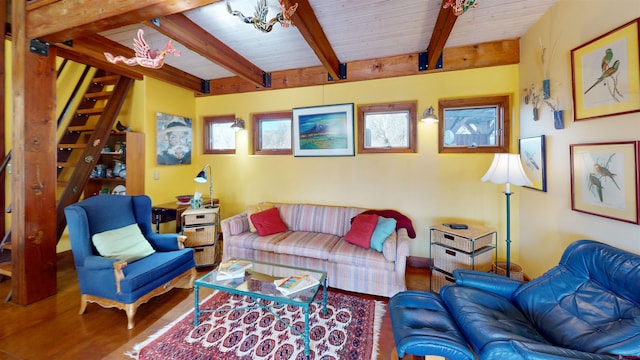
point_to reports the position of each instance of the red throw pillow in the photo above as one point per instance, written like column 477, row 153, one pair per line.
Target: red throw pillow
column 268, row 222
column 361, row 230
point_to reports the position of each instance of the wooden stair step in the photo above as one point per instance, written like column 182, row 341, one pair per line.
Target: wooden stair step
column 6, row 269
column 98, row 95
column 92, row 111
column 72, row 146
column 107, row 80
column 80, row 128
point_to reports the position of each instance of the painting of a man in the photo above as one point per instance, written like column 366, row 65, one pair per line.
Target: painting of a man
column 174, row 139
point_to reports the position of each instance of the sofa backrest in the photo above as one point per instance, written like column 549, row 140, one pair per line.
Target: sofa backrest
column 334, row 220
column 589, row 301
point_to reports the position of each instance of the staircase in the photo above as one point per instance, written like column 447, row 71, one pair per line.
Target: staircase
column 85, row 137
column 80, row 144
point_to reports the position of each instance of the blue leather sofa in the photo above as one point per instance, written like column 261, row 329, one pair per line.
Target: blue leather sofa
column 112, row 282
column 586, row 307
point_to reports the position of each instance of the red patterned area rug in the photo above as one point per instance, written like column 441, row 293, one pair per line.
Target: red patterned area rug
column 349, row 331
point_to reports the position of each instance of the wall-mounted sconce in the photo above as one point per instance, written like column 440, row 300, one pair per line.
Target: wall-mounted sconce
column 238, row 124
column 429, row 115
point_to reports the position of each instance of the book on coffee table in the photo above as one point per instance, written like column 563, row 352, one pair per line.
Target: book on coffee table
column 295, row 283
column 232, row 269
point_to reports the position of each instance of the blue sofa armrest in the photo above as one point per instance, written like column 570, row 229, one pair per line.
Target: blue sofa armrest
column 489, row 282
column 534, row 351
column 95, row 262
column 163, row 242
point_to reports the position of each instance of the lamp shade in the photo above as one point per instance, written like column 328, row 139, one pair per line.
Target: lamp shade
column 429, row 115
column 201, row 177
column 507, row 169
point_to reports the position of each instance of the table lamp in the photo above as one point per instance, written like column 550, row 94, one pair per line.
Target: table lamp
column 507, row 169
column 202, row 178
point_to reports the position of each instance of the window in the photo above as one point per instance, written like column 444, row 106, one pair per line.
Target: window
column 474, row 125
column 219, row 137
column 387, row 128
column 272, row 133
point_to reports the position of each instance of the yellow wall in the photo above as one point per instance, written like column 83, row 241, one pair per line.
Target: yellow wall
column 428, row 187
column 547, row 223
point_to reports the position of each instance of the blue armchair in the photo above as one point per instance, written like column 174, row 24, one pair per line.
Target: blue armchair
column 586, row 307
column 112, row 281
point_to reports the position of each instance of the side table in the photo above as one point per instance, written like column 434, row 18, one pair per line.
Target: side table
column 200, row 226
column 172, row 211
column 452, row 249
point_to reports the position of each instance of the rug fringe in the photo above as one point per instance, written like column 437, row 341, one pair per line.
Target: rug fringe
column 380, row 310
column 135, row 353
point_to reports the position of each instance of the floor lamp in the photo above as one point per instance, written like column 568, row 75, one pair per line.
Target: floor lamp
column 507, row 169
column 202, row 178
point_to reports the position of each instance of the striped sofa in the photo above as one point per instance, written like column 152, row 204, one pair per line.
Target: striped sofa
column 314, row 239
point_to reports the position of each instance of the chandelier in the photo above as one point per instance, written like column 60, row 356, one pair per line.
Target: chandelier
column 460, row 6
column 259, row 18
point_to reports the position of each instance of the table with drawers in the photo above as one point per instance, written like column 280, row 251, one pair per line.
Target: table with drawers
column 200, row 226
column 451, row 249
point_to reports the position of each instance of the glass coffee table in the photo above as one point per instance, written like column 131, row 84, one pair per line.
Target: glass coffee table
column 258, row 283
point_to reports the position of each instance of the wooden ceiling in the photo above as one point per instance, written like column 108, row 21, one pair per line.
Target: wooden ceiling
column 331, row 40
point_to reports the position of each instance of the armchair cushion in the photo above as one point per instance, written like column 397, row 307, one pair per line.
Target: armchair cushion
column 126, row 243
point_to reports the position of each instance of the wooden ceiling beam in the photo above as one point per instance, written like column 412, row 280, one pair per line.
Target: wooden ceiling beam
column 62, row 20
column 307, row 23
column 496, row 53
column 441, row 31
column 184, row 31
column 94, row 46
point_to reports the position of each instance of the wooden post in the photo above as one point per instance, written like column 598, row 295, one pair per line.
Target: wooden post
column 33, row 180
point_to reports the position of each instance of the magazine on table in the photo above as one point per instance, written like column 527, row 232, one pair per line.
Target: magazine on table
column 232, row 269
column 295, row 283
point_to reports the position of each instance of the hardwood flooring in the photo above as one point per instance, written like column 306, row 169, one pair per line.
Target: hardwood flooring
column 52, row 328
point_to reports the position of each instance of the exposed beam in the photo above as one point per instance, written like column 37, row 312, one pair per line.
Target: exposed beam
column 62, row 20
column 94, row 46
column 307, row 23
column 497, row 53
column 441, row 31
column 181, row 29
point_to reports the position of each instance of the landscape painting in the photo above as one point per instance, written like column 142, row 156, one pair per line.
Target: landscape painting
column 323, row 130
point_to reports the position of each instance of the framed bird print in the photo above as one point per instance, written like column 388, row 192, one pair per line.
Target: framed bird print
column 532, row 153
column 606, row 74
column 604, row 180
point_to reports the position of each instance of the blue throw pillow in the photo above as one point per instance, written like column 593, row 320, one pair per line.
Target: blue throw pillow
column 384, row 228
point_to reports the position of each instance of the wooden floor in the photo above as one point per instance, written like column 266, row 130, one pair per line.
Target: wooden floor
column 52, row 328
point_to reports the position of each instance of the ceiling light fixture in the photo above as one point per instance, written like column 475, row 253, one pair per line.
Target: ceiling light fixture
column 259, row 18
column 238, row 124
column 429, row 115
column 460, row 6
column 145, row 57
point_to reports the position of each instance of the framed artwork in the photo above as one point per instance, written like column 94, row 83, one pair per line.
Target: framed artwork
column 604, row 180
column 323, row 130
column 174, row 139
column 534, row 159
column 606, row 74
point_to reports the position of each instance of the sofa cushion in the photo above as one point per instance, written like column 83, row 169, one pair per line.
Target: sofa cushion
column 252, row 209
column 322, row 219
column 289, row 214
column 485, row 318
column 126, row 243
column 384, row 228
column 268, row 222
column 389, row 247
column 310, row 244
column 346, row 253
column 361, row 230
